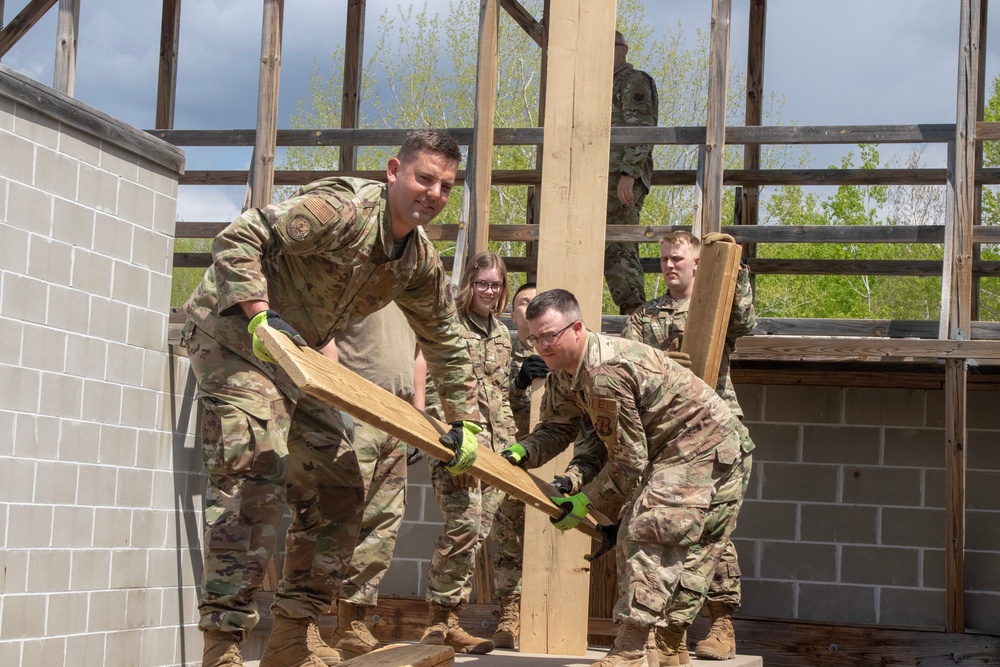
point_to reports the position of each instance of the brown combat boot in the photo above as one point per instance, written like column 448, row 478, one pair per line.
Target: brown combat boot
column 509, row 625
column 319, row 648
column 288, row 645
column 443, row 628
column 222, row 649
column 671, row 647
column 352, row 636
column 629, row 649
column 720, row 644
column 437, row 624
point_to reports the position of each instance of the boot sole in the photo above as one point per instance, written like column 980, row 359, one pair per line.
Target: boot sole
column 712, row 655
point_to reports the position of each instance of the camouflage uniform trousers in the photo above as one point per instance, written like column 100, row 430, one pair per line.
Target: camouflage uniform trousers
column 508, row 559
column 382, row 459
column 254, row 437
column 674, row 529
column 468, row 517
column 622, row 266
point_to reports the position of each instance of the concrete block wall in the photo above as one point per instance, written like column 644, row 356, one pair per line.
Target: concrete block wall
column 99, row 480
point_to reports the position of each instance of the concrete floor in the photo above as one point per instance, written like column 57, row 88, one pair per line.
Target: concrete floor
column 504, row 658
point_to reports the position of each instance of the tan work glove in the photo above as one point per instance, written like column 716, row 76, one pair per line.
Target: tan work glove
column 674, row 352
column 717, row 237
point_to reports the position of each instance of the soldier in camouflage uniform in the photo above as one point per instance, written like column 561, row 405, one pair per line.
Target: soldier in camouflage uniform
column 338, row 250
column 634, row 102
column 467, row 504
column 661, row 323
column 673, row 450
column 508, row 527
column 382, row 348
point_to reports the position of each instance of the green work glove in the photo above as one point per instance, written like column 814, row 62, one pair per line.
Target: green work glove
column 515, row 455
column 574, row 508
column 461, row 439
column 273, row 320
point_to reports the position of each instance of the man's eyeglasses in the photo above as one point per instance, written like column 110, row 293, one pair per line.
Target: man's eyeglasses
column 483, row 286
column 546, row 340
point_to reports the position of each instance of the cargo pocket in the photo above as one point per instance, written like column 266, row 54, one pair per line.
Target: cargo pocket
column 235, row 441
column 669, row 514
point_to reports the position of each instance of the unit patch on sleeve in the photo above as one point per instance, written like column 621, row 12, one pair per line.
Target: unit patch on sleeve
column 604, row 416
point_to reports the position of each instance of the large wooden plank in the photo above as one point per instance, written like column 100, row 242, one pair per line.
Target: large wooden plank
column 414, row 655
column 330, row 382
column 708, row 312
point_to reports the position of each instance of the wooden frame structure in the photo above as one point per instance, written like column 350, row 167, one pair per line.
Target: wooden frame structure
column 955, row 337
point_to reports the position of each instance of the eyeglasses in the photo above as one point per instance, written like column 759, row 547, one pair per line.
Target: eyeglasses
column 484, row 286
column 547, row 340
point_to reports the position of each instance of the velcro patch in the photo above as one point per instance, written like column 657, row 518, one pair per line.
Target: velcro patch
column 320, row 208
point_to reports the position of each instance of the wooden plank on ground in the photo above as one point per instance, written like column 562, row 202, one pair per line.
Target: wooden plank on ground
column 330, row 382
column 711, row 304
column 413, row 655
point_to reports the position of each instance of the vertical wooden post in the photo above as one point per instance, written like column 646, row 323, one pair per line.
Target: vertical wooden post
column 67, row 27
column 574, row 193
column 956, row 300
column 354, row 46
column 262, row 167
column 715, row 123
column 750, row 204
column 980, row 115
column 479, row 174
column 166, row 89
column 534, row 193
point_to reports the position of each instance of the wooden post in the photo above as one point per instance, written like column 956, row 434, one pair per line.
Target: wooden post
column 67, row 29
column 354, row 46
column 555, row 582
column 956, row 304
column 750, row 204
column 22, row 23
column 166, row 89
column 715, row 124
column 479, row 174
column 262, row 167
column 980, row 115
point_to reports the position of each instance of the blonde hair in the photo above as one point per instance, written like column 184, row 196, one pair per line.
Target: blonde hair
column 680, row 237
column 483, row 261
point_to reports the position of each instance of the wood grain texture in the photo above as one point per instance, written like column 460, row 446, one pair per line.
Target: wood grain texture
column 414, row 655
column 331, row 383
column 710, row 307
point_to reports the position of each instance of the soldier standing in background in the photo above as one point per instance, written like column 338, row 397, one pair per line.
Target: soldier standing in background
column 339, row 249
column 673, row 446
column 634, row 103
column 381, row 348
column 661, row 323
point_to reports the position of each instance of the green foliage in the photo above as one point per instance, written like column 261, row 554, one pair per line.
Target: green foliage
column 185, row 280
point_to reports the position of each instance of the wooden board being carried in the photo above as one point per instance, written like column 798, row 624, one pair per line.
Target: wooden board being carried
column 710, row 307
column 331, row 383
column 410, row 655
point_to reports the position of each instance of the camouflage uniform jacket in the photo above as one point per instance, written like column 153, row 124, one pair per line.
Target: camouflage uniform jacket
column 323, row 258
column 488, row 343
column 642, row 406
column 520, row 399
column 634, row 103
column 660, row 321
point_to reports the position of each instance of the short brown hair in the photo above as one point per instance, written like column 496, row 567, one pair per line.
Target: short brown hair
column 484, row 260
column 559, row 300
column 680, row 237
column 434, row 141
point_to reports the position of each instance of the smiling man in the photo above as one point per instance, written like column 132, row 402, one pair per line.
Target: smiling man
column 673, row 450
column 339, row 249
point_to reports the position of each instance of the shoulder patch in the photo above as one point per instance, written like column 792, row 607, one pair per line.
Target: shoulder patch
column 300, row 228
column 604, row 416
column 320, row 208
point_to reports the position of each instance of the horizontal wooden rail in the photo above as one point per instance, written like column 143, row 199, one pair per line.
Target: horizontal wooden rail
column 663, row 136
column 811, row 348
column 652, row 234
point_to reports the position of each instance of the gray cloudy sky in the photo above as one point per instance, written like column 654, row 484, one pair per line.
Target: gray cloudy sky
column 837, row 62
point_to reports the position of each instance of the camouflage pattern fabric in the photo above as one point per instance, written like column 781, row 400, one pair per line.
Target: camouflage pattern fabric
column 674, row 450
column 322, row 258
column 634, row 103
column 659, row 323
column 469, row 509
column 382, row 459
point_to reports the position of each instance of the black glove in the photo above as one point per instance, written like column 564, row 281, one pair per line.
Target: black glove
column 533, row 367
column 609, row 538
column 563, row 483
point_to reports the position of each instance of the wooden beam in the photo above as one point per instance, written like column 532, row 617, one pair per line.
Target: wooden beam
column 166, row 87
column 67, row 29
column 815, row 348
column 750, row 204
column 262, row 166
column 22, row 23
column 578, row 72
column 480, row 161
column 523, row 18
column 977, row 198
column 354, row 46
column 715, row 125
column 711, row 304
